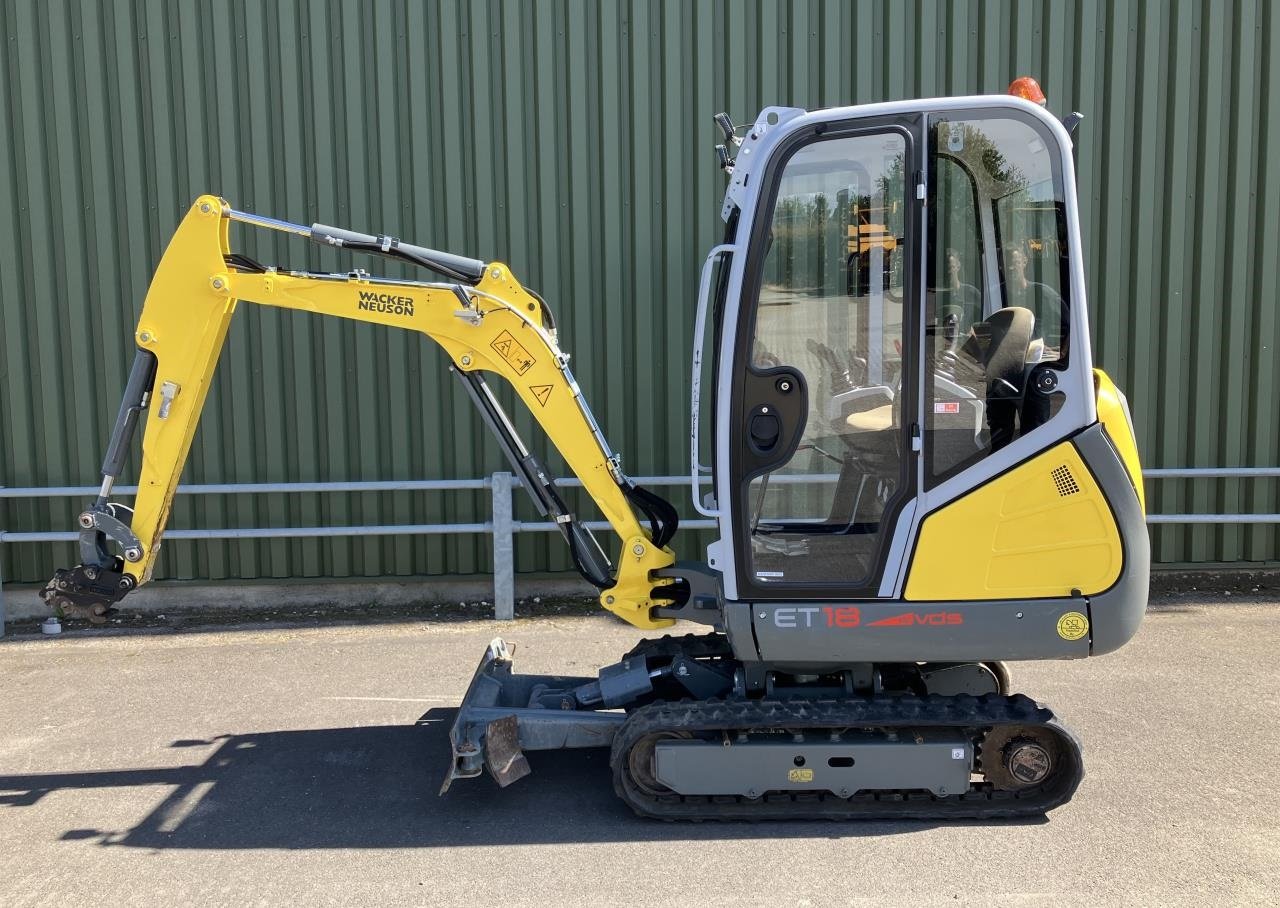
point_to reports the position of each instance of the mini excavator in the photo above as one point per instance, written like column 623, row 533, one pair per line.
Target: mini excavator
column 916, row 473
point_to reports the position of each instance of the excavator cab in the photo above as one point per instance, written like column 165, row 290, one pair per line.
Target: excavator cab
column 916, row 472
column 914, row 427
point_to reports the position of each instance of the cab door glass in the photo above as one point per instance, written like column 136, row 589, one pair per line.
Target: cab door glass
column 830, row 308
column 996, row 290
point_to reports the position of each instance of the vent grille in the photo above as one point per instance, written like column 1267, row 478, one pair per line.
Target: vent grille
column 1065, row 482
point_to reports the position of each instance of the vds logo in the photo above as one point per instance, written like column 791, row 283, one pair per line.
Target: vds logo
column 914, row 619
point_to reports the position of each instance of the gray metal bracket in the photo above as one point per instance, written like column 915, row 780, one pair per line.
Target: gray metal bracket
column 102, row 521
column 737, row 195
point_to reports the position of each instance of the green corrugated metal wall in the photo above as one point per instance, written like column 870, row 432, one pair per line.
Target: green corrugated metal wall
column 573, row 140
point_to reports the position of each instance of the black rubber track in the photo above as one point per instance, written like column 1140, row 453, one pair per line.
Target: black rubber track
column 974, row 716
column 694, row 646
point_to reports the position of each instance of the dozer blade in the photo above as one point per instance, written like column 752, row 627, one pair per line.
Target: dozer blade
column 504, row 714
column 484, row 691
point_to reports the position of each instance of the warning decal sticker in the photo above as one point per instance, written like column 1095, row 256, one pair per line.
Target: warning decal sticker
column 542, row 392
column 517, row 357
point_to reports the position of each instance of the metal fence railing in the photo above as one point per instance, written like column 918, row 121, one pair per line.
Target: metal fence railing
column 502, row 525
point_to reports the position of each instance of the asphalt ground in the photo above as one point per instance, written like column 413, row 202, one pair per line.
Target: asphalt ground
column 301, row 765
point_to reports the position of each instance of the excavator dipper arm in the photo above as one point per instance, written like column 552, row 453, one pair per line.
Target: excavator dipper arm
column 482, row 317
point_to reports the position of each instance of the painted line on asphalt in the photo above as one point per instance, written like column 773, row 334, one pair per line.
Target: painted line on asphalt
column 400, row 699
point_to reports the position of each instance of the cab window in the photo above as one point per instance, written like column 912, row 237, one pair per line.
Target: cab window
column 996, row 297
column 830, row 306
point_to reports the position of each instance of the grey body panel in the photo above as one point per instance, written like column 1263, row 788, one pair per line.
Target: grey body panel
column 1114, row 615
column 806, row 634
column 940, row 762
column 737, row 627
column 798, row 636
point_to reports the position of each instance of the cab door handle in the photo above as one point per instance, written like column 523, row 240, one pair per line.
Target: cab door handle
column 764, row 430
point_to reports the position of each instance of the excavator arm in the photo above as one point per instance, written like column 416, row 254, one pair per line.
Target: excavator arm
column 482, row 317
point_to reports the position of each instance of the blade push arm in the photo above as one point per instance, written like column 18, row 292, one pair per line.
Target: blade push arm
column 486, row 322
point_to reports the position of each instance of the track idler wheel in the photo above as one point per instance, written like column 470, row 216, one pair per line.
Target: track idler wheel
column 1016, row 758
column 641, row 767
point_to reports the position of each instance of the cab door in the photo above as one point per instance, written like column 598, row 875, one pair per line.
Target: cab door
column 823, row 413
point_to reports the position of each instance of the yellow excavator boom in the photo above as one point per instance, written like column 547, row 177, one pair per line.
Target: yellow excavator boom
column 488, row 323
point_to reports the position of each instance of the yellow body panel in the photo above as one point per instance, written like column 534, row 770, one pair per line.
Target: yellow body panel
column 184, row 323
column 1041, row 530
column 1113, row 414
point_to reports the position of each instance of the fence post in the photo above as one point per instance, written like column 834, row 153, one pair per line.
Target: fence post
column 3, row 613
column 504, row 555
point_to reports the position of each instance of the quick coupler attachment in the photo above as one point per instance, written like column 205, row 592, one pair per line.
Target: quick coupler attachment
column 88, row 590
column 91, row 589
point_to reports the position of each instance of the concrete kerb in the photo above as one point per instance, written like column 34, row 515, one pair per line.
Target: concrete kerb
column 501, row 527
column 179, row 596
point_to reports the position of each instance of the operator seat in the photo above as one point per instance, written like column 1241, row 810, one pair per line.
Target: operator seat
column 999, row 345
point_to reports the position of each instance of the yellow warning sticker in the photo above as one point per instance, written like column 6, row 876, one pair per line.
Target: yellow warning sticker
column 1073, row 626
column 800, row 775
column 509, row 348
column 542, row 392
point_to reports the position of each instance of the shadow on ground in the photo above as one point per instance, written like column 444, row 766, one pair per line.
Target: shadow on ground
column 376, row 787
